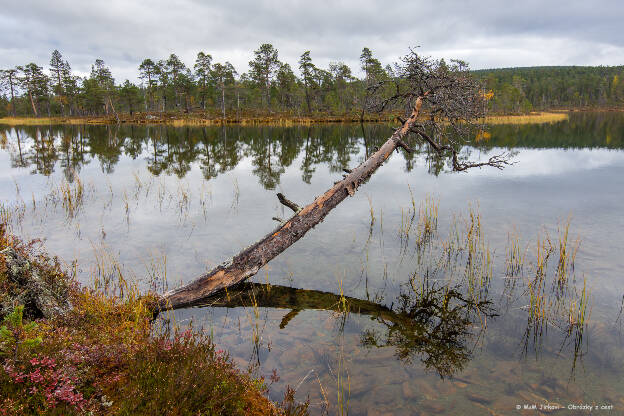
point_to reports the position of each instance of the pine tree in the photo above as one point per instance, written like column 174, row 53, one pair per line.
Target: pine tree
column 223, row 75
column 264, row 68
column 307, row 73
column 56, row 69
column 203, row 73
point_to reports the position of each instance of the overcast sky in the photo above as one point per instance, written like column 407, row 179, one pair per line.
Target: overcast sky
column 486, row 33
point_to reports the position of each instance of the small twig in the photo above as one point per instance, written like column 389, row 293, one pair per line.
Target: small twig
column 278, row 219
column 284, row 201
column 347, row 170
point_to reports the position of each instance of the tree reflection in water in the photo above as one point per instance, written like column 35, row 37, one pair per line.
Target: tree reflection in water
column 216, row 150
column 437, row 326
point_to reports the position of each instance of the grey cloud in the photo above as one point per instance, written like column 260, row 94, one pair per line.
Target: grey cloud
column 486, row 33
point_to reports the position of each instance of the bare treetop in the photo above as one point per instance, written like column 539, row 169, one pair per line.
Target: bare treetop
column 451, row 106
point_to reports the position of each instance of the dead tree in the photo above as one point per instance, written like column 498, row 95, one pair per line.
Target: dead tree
column 443, row 107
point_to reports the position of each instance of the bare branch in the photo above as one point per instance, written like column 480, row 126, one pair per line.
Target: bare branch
column 286, row 202
column 404, row 145
column 497, row 161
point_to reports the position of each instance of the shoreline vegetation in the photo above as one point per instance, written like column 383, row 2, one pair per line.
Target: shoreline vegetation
column 77, row 350
column 200, row 119
column 271, row 88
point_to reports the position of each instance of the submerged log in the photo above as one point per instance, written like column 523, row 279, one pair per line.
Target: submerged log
column 247, row 263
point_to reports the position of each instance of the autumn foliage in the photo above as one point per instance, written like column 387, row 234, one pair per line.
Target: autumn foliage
column 104, row 356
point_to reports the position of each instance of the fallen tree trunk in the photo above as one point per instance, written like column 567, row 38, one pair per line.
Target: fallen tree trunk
column 247, row 263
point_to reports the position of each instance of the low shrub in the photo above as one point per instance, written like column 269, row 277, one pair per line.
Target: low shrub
column 102, row 355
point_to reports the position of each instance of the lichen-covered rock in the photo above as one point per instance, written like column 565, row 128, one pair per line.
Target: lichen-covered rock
column 30, row 285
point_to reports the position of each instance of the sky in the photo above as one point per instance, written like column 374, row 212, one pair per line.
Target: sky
column 485, row 33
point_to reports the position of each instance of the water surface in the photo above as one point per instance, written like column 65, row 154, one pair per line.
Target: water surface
column 358, row 315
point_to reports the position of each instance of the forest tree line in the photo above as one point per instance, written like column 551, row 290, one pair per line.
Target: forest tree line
column 270, row 86
column 170, row 85
column 519, row 90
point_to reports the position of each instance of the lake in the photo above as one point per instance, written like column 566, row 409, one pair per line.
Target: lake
column 427, row 292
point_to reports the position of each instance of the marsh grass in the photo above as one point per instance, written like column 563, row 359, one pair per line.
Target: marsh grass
column 172, row 195
column 343, row 307
column 183, row 200
column 257, row 323
column 156, row 268
column 12, row 215
column 72, row 196
column 106, row 273
column 343, row 384
column 107, row 357
column 539, row 305
column 538, row 277
column 408, row 217
column 478, row 257
column 550, row 296
column 425, row 229
column 372, row 219
column 567, row 256
column 44, row 121
column 283, row 120
column 463, row 256
column 515, row 255
column 532, row 118
column 236, row 195
column 205, row 195
column 427, row 219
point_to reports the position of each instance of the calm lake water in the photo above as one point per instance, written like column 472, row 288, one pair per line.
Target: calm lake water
column 376, row 310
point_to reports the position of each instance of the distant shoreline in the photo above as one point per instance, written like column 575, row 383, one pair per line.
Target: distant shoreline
column 182, row 120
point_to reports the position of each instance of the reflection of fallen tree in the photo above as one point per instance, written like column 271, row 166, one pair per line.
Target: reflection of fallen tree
column 436, row 325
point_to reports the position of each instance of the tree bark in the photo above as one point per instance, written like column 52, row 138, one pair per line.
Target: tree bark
column 247, row 263
column 113, row 108
column 223, row 100
column 12, row 95
column 32, row 102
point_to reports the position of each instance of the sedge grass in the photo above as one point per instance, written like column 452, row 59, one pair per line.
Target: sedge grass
column 532, row 118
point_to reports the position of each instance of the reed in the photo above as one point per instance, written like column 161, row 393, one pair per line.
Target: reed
column 72, row 196
column 4, row 140
column 236, row 195
column 515, row 255
column 427, row 226
column 478, row 257
column 577, row 311
column 343, row 389
column 567, row 256
column 184, row 199
column 539, row 306
column 156, row 268
column 106, row 274
column 126, row 203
